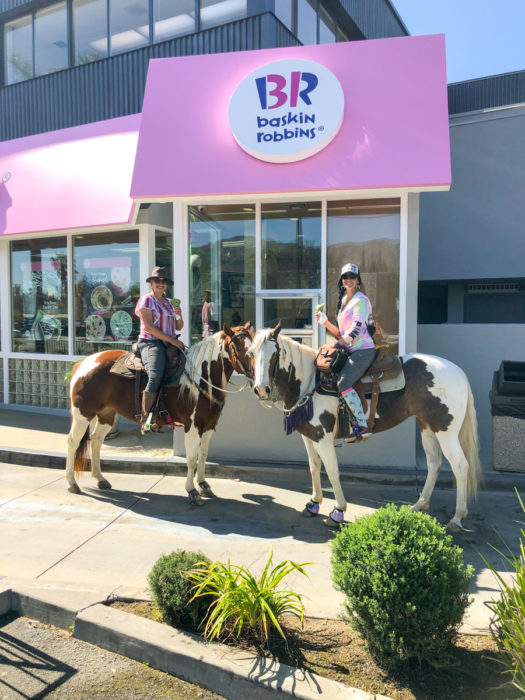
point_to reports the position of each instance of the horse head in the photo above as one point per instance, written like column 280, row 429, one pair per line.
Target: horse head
column 236, row 342
column 264, row 352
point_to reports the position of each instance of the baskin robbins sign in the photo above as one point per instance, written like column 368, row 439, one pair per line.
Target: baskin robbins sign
column 287, row 110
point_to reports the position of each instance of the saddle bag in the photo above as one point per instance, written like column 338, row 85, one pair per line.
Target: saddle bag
column 330, row 359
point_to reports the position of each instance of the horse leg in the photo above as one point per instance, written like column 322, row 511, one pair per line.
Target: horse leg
column 192, row 442
column 314, row 462
column 326, row 451
column 452, row 450
column 434, row 457
column 98, row 433
column 79, row 426
column 204, row 487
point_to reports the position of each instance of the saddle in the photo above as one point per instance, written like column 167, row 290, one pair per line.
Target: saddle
column 129, row 366
column 384, row 374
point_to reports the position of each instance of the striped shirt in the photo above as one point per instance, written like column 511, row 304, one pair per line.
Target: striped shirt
column 164, row 316
column 352, row 320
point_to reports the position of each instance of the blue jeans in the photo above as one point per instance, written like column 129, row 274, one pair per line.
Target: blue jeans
column 153, row 355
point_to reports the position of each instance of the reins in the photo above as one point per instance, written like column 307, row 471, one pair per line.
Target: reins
column 207, row 394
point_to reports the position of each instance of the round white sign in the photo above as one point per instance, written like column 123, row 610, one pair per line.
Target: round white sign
column 287, row 110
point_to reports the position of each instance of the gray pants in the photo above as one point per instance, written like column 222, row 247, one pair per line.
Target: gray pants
column 358, row 362
column 153, row 355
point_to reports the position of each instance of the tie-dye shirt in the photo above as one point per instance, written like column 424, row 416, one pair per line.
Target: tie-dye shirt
column 352, row 320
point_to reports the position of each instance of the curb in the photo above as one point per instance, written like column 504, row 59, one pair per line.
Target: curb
column 176, row 466
column 216, row 667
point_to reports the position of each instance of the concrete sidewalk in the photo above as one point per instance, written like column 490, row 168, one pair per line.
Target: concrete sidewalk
column 100, row 543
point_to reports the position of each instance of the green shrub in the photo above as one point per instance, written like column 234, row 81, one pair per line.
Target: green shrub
column 172, row 591
column 405, row 584
column 508, row 627
column 241, row 602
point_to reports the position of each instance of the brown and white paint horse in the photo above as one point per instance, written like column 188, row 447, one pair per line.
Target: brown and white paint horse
column 97, row 396
column 437, row 393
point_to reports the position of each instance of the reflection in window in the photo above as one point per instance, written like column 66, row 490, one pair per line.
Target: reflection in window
column 293, row 313
column 222, row 266
column 106, row 287
column 307, row 21
column 164, row 250
column 291, row 245
column 172, row 18
column 366, row 232
column 51, row 47
column 129, row 22
column 90, row 30
column 216, row 12
column 39, row 295
column 18, row 37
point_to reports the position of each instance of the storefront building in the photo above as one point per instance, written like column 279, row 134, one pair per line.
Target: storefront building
column 254, row 180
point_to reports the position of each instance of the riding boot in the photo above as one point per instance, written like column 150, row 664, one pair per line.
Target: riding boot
column 359, row 424
column 148, row 401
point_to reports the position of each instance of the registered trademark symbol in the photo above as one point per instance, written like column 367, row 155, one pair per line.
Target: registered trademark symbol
column 320, row 128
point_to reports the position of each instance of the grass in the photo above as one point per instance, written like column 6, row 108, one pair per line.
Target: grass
column 330, row 648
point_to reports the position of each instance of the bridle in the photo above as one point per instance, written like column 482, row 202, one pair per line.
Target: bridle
column 231, row 347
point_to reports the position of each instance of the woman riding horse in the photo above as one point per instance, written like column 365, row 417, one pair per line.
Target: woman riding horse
column 354, row 312
column 158, row 322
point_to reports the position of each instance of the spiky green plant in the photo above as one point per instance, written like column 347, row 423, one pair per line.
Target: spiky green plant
column 240, row 601
column 508, row 626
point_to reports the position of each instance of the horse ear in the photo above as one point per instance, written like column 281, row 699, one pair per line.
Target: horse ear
column 227, row 330
column 276, row 330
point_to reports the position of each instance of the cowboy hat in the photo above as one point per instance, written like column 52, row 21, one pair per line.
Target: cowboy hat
column 161, row 272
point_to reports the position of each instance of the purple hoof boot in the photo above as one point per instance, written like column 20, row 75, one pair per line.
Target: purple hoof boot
column 195, row 498
column 335, row 519
column 311, row 508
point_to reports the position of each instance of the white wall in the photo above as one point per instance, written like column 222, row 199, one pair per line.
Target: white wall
column 479, row 350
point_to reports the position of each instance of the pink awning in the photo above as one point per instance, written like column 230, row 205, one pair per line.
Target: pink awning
column 69, row 179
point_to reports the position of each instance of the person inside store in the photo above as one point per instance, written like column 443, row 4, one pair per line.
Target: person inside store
column 159, row 321
column 207, row 314
column 354, row 330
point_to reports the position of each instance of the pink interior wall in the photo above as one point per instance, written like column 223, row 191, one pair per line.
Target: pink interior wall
column 72, row 178
column 395, row 131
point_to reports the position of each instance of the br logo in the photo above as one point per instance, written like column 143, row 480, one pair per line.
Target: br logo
column 280, row 93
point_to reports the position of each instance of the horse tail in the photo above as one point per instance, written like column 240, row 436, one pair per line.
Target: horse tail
column 81, row 462
column 468, row 438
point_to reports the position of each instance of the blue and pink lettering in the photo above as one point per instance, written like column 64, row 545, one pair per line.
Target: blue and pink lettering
column 279, row 91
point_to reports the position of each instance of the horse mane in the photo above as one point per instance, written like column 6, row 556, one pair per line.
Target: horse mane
column 206, row 350
column 292, row 352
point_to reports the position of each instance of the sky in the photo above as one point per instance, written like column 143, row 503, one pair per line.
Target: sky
column 483, row 37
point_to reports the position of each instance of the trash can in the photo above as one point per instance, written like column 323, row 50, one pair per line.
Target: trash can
column 507, row 402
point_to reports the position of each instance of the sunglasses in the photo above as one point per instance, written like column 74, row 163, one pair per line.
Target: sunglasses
column 349, row 276
column 159, row 280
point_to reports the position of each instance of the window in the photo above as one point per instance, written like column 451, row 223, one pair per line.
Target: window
column 129, row 23
column 291, row 245
column 106, row 285
column 51, row 43
column 366, row 232
column 216, row 12
column 39, row 295
column 432, row 303
column 172, row 19
column 222, row 265
column 307, row 21
column 19, row 49
column 327, row 27
column 495, row 301
column 90, row 30
column 284, row 11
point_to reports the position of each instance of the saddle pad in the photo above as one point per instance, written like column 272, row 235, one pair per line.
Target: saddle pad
column 122, row 366
column 389, row 369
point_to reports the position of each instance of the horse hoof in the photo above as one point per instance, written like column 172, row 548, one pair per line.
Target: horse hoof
column 104, row 484
column 205, row 490
column 311, row 509
column 74, row 489
column 455, row 527
column 195, row 498
column 335, row 519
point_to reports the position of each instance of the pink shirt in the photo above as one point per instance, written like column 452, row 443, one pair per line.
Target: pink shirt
column 164, row 316
column 352, row 320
